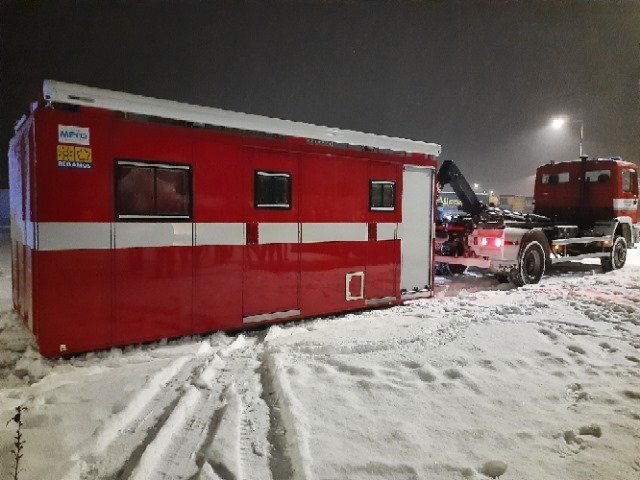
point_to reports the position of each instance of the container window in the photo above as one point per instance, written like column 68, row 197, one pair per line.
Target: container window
column 272, row 189
column 629, row 181
column 152, row 191
column 598, row 176
column 555, row 178
column 382, row 195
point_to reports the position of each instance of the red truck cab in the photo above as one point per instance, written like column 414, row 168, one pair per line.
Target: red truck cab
column 587, row 190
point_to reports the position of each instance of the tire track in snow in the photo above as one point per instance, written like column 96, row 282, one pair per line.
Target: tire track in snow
column 131, row 415
column 290, row 445
column 172, row 453
column 240, row 448
column 121, row 435
column 280, row 462
column 156, row 451
column 217, row 428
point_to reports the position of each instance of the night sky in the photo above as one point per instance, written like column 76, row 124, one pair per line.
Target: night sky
column 482, row 79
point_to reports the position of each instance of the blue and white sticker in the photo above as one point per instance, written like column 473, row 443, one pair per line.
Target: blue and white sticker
column 76, row 135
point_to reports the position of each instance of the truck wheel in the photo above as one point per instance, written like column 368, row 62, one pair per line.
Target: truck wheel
column 617, row 257
column 531, row 262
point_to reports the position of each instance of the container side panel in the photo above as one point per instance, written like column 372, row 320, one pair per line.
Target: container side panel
column 218, row 287
column 74, row 300
column 150, row 141
column 383, row 258
column 153, row 293
column 334, row 189
column 74, row 180
column 272, row 257
column 153, row 264
column 272, row 275
column 383, row 251
column 221, row 181
column 324, row 269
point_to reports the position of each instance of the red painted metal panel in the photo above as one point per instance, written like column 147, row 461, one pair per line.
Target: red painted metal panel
column 74, row 300
column 272, row 271
column 150, row 141
column 390, row 172
column 323, row 276
column 251, row 231
column 74, row 194
column 271, row 278
column 382, row 279
column 335, row 189
column 153, row 293
column 221, row 180
column 217, row 287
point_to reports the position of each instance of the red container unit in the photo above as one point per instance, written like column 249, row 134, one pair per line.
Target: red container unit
column 135, row 219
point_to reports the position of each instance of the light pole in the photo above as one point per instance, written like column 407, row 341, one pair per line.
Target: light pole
column 559, row 122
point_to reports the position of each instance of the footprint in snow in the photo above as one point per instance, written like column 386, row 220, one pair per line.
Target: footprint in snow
column 452, row 374
column 576, row 349
column 607, row 348
column 411, row 364
column 488, row 364
column 575, row 393
column 425, row 375
column 548, row 333
column 591, row 430
column 494, row 468
column 631, row 394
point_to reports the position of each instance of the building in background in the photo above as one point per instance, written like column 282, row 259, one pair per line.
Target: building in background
column 451, row 204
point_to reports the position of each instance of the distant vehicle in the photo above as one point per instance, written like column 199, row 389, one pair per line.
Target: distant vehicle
column 135, row 219
column 583, row 209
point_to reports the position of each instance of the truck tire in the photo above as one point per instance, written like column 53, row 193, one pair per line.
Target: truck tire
column 617, row 257
column 531, row 263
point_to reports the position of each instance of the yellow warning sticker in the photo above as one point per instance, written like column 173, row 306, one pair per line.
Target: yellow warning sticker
column 66, row 152
column 69, row 156
column 83, row 154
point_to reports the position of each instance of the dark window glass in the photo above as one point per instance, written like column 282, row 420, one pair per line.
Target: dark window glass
column 152, row 191
column 136, row 191
column 382, row 195
column 555, row 178
column 172, row 187
column 598, row 176
column 629, row 181
column 272, row 189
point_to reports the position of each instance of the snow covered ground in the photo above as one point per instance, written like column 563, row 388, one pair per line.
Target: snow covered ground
column 543, row 380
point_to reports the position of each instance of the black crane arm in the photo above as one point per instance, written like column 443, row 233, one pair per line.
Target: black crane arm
column 449, row 173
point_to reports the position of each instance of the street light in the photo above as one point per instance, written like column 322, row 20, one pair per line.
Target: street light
column 558, row 122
